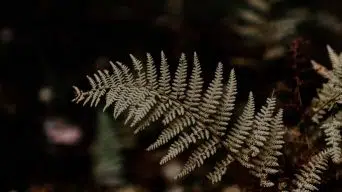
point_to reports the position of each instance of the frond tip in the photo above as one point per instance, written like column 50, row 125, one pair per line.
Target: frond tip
column 190, row 114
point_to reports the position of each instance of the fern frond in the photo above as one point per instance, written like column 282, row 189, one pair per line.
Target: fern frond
column 151, row 73
column 261, row 128
column 329, row 96
column 220, row 169
column 179, row 81
column 209, row 104
column 331, row 129
column 335, row 62
column 226, row 106
column 178, row 147
column 194, row 93
column 267, row 162
column 138, row 67
column 165, row 77
column 197, row 158
column 309, row 174
column 98, row 90
column 207, row 107
column 191, row 102
column 331, row 92
column 235, row 140
column 241, row 130
column 190, row 115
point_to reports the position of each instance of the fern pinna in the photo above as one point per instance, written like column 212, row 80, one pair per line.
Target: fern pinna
column 191, row 115
column 329, row 101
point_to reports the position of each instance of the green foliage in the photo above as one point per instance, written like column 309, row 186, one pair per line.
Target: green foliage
column 107, row 157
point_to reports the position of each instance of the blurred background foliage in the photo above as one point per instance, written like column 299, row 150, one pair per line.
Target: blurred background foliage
column 47, row 46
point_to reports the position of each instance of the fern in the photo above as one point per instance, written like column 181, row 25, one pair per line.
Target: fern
column 333, row 137
column 330, row 96
column 260, row 28
column 191, row 115
column 331, row 92
column 266, row 162
column 328, row 101
column 309, row 174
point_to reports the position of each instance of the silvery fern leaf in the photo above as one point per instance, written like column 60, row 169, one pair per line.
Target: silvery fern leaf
column 267, row 162
column 331, row 92
column 333, row 138
column 191, row 115
column 309, row 175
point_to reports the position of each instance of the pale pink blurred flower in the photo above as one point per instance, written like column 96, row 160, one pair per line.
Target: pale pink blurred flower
column 62, row 133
